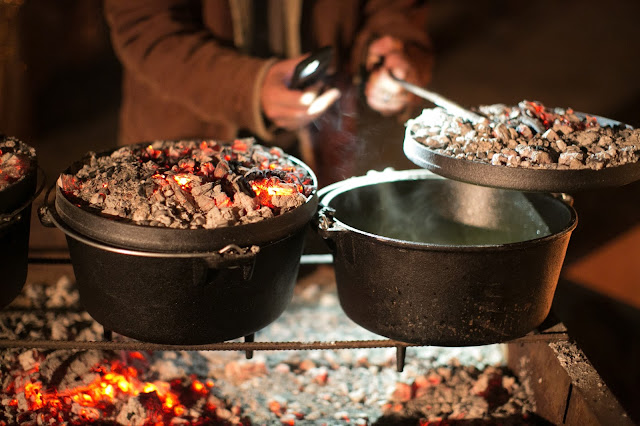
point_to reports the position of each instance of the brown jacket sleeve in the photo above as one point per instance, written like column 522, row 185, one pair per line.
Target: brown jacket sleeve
column 164, row 45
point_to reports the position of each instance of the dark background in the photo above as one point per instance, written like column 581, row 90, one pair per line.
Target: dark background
column 60, row 92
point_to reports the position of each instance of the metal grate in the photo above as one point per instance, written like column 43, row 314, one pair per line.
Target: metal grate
column 555, row 334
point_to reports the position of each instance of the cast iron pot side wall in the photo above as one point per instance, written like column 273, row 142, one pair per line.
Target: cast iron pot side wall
column 446, row 298
column 14, row 251
column 183, row 301
column 14, row 235
column 155, row 284
column 438, row 294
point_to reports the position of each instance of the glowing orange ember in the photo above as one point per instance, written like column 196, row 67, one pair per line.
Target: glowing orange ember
column 153, row 153
column 182, row 179
column 265, row 189
column 136, row 355
column 275, row 407
column 225, row 203
column 198, row 387
column 272, row 187
column 114, row 382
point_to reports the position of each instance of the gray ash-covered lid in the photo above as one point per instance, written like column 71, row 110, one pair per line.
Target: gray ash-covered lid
column 527, row 147
column 186, row 195
column 16, row 160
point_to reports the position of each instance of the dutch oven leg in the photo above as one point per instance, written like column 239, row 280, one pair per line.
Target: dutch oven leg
column 107, row 335
column 249, row 338
column 401, row 353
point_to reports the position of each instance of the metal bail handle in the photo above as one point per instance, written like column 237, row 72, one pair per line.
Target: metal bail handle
column 326, row 223
column 327, row 228
column 234, row 256
column 44, row 211
column 564, row 197
column 326, row 219
column 230, row 256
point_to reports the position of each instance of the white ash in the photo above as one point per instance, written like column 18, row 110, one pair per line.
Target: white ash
column 357, row 386
column 575, row 362
column 61, row 294
column 190, row 184
column 528, row 135
column 49, row 325
column 16, row 159
column 48, row 312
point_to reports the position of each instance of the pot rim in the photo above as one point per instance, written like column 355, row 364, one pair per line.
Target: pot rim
column 521, row 178
column 31, row 190
column 390, row 175
column 131, row 237
column 55, row 218
column 18, row 195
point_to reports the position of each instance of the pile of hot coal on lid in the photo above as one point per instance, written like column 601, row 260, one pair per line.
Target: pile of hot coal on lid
column 15, row 160
column 190, row 184
column 528, row 135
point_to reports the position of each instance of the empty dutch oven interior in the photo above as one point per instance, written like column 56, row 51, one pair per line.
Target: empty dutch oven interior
column 419, row 207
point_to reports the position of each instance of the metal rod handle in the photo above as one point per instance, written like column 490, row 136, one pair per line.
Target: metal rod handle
column 438, row 99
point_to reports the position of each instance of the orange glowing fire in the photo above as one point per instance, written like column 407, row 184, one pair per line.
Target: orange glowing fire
column 182, row 179
column 153, row 153
column 186, row 170
column 272, row 187
column 240, row 145
column 265, row 189
column 117, row 381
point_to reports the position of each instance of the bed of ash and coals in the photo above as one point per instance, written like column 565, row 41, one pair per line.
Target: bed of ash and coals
column 355, row 386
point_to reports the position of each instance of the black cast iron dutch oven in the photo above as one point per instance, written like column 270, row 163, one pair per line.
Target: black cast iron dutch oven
column 182, row 286
column 15, row 225
column 427, row 260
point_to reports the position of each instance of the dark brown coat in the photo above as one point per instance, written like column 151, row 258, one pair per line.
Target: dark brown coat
column 184, row 78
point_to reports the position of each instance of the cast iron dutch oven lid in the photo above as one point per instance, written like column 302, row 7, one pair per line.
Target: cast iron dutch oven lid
column 521, row 178
column 131, row 236
column 20, row 193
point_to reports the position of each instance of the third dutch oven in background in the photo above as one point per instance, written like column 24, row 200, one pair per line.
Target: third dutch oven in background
column 18, row 180
column 427, row 260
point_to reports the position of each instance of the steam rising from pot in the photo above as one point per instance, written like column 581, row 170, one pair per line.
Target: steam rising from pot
column 440, row 211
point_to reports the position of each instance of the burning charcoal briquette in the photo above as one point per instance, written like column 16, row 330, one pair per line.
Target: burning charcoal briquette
column 539, row 135
column 190, row 184
column 15, row 160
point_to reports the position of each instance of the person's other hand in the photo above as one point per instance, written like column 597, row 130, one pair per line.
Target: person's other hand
column 386, row 55
column 292, row 109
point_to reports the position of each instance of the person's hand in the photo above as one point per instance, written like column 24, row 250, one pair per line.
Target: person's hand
column 386, row 55
column 292, row 109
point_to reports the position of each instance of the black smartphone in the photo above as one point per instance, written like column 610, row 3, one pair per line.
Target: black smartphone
column 311, row 69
